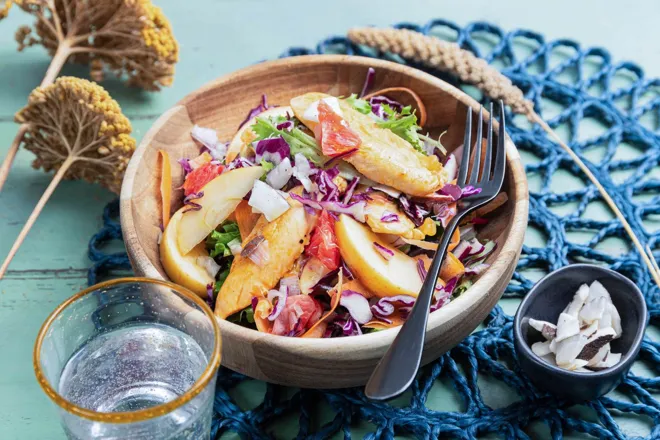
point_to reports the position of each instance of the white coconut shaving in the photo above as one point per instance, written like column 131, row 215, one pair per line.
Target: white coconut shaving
column 581, row 339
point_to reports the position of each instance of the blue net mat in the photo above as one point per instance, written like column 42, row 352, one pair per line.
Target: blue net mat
column 609, row 113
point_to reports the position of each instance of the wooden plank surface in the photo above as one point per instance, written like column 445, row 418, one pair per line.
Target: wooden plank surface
column 217, row 37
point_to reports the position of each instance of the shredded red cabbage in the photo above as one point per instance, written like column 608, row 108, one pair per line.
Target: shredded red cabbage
column 385, row 306
column 192, row 206
column 443, row 294
column 413, row 210
column 384, row 252
column 239, row 162
column 421, row 270
column 209, row 295
column 456, row 193
column 346, row 271
column 476, row 269
column 389, row 217
column 380, row 99
column 351, row 189
column 286, row 125
column 253, row 302
column 273, row 150
column 355, row 210
column 326, row 186
column 479, row 221
column 368, row 80
column 263, row 106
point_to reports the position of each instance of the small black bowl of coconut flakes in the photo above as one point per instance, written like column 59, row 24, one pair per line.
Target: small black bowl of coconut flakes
column 578, row 330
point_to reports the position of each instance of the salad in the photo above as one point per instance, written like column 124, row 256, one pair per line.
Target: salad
column 318, row 219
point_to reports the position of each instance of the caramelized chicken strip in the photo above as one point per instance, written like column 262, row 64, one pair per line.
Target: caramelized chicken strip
column 286, row 236
column 383, row 156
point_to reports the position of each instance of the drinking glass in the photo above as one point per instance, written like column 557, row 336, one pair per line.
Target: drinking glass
column 131, row 358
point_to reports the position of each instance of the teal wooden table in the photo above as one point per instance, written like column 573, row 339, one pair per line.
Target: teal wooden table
column 217, row 37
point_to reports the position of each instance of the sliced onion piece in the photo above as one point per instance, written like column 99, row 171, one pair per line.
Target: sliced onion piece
column 292, row 283
column 209, row 264
column 302, row 170
column 451, row 167
column 357, row 305
column 278, row 305
column 209, row 139
column 280, row 175
column 267, row 201
column 235, row 246
column 256, row 250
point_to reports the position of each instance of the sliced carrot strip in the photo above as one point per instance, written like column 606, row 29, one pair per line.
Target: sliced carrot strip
column 165, row 186
column 334, row 302
column 396, row 319
column 418, row 101
column 261, row 313
column 451, row 267
column 356, row 286
column 245, row 218
column 455, row 239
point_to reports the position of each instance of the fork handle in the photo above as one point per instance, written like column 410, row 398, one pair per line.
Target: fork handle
column 398, row 368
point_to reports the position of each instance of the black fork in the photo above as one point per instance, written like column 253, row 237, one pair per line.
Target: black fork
column 397, row 369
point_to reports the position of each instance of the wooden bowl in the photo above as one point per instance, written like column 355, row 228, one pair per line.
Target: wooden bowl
column 222, row 105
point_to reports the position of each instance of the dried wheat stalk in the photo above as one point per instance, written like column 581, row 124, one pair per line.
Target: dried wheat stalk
column 449, row 57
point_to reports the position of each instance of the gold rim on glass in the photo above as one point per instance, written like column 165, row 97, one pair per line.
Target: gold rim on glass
column 143, row 414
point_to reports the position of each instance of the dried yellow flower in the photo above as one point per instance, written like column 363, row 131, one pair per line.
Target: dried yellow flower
column 131, row 38
column 4, row 10
column 75, row 121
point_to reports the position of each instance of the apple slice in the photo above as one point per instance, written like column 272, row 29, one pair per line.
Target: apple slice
column 237, row 142
column 221, row 197
column 183, row 269
column 396, row 276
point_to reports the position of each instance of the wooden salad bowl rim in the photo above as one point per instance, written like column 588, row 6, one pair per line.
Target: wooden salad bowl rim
column 337, row 362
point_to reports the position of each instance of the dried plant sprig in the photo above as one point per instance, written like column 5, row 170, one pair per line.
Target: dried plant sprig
column 4, row 9
column 449, row 57
column 75, row 128
column 131, row 38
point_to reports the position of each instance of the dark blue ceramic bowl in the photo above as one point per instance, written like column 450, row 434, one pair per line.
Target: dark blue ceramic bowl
column 546, row 301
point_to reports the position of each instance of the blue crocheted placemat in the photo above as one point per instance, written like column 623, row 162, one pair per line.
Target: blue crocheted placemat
column 585, row 85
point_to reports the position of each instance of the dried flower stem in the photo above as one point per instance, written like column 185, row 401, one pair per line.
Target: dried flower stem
column 449, row 57
column 132, row 38
column 35, row 213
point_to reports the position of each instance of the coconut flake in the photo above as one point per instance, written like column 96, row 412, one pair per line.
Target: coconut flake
column 578, row 301
column 595, row 343
column 569, row 349
column 567, row 326
column 597, row 290
column 541, row 348
column 616, row 321
column 548, row 330
column 593, row 310
column 600, row 355
column 611, row 360
column 589, row 330
column 209, row 264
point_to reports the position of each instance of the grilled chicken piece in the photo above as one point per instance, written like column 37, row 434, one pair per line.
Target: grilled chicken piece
column 286, row 236
column 383, row 156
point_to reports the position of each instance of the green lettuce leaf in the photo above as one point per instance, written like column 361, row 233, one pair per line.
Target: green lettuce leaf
column 406, row 128
column 358, row 104
column 298, row 140
column 217, row 241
